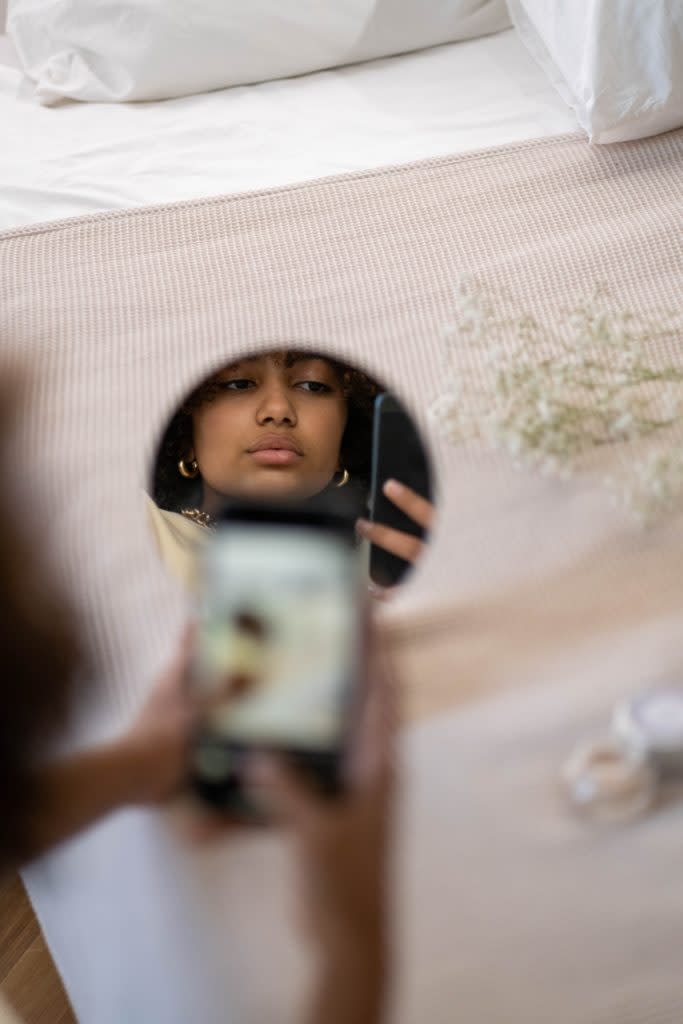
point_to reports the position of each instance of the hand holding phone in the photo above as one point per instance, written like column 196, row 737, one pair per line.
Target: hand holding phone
column 406, row 546
column 279, row 648
column 401, row 509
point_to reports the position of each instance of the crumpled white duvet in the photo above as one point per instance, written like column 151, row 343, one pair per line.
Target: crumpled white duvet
column 83, row 158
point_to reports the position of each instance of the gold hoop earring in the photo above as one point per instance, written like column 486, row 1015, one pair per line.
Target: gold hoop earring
column 188, row 470
column 344, row 479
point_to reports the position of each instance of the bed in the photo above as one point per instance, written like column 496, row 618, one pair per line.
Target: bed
column 522, row 627
column 85, row 158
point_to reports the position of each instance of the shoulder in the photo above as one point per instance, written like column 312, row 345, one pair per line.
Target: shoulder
column 178, row 539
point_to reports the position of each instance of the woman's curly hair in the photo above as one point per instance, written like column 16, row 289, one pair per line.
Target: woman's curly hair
column 174, row 492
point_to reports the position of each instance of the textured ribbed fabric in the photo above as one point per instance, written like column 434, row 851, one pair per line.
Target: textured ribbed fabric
column 106, row 321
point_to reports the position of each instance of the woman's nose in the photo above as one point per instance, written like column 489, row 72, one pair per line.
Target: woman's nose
column 276, row 407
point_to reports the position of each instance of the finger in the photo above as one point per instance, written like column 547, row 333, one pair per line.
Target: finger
column 283, row 789
column 404, row 545
column 409, row 501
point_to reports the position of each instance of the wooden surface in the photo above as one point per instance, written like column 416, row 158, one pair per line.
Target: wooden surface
column 28, row 978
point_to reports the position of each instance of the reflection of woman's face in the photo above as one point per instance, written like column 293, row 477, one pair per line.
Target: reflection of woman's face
column 273, row 429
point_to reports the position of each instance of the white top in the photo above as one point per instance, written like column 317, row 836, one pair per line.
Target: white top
column 82, row 158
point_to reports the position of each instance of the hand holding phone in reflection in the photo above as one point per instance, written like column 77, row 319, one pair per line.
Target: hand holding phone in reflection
column 400, row 498
column 397, row 542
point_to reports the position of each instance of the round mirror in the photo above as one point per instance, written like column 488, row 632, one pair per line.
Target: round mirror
column 296, row 427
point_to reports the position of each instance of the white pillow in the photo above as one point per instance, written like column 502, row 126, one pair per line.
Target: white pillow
column 618, row 63
column 113, row 50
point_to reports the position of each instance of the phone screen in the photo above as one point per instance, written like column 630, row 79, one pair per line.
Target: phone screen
column 278, row 643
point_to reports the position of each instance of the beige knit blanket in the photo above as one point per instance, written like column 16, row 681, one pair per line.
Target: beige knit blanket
column 509, row 909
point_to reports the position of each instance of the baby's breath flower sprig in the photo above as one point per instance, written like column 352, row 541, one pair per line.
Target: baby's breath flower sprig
column 550, row 394
column 653, row 487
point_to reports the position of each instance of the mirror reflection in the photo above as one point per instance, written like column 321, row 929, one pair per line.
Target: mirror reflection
column 293, row 426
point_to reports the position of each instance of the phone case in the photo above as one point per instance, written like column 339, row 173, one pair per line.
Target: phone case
column 398, row 453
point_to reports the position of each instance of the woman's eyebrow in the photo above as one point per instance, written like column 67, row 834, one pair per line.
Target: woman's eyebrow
column 289, row 361
column 308, row 357
column 239, row 365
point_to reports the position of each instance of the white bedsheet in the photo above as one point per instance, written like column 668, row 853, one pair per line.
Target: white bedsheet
column 552, row 919
column 83, row 158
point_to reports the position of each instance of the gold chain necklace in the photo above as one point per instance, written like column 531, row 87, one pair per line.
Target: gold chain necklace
column 199, row 517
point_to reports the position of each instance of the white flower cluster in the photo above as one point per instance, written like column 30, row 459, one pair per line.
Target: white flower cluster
column 548, row 395
column 654, row 485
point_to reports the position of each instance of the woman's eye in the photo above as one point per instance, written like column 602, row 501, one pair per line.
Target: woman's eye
column 316, row 387
column 238, row 384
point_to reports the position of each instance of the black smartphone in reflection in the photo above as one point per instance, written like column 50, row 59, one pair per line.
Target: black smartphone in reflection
column 398, row 453
column 277, row 663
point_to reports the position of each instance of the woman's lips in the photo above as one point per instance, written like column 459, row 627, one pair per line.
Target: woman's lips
column 275, row 456
column 273, row 450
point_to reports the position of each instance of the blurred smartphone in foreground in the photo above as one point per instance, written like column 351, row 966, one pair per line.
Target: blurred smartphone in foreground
column 278, row 658
column 397, row 453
